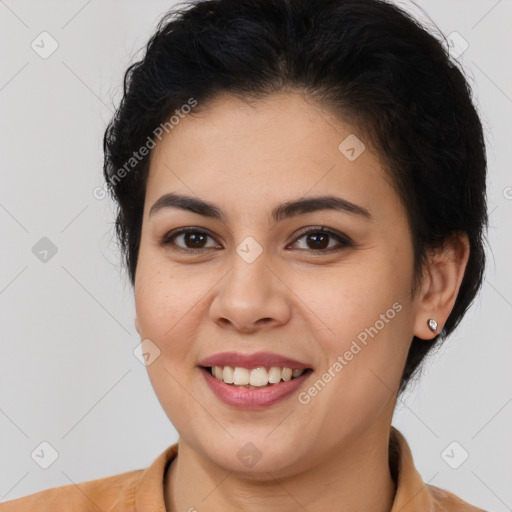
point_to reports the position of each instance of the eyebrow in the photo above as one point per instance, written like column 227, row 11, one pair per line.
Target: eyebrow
column 283, row 211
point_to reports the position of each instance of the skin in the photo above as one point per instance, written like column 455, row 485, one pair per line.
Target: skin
column 247, row 158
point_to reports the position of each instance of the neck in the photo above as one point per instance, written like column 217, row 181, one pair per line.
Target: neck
column 355, row 477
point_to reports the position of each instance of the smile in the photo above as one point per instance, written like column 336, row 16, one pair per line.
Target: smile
column 255, row 377
column 253, row 397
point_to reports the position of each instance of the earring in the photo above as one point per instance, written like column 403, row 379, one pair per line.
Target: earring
column 432, row 325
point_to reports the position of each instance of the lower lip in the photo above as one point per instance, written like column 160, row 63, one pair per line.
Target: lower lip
column 252, row 398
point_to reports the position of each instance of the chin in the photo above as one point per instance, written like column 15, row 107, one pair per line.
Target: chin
column 255, row 455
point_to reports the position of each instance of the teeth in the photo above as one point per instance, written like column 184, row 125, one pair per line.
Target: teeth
column 274, row 375
column 225, row 374
column 256, row 377
column 240, row 376
column 286, row 374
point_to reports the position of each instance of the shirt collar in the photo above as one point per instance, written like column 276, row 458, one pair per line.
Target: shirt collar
column 412, row 493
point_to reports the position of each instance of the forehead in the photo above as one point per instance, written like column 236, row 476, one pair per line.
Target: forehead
column 250, row 153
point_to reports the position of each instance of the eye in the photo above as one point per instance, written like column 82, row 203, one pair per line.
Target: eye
column 317, row 240
column 192, row 238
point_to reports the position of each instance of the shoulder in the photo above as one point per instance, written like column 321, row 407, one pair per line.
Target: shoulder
column 98, row 494
column 445, row 501
column 412, row 493
column 140, row 489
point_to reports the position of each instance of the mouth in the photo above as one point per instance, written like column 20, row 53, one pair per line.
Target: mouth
column 245, row 395
column 253, row 381
column 255, row 378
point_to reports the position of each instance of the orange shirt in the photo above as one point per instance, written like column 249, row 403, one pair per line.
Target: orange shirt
column 143, row 490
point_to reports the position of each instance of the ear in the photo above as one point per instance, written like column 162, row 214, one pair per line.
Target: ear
column 442, row 277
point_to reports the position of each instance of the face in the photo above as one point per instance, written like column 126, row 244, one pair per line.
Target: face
column 251, row 281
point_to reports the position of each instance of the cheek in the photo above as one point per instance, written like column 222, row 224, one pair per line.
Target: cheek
column 167, row 310
column 161, row 310
column 363, row 366
column 164, row 296
column 351, row 300
column 369, row 319
column 171, row 304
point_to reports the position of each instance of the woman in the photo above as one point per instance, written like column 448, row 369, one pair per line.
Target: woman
column 301, row 193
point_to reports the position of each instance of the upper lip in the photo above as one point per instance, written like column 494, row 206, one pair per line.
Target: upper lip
column 249, row 361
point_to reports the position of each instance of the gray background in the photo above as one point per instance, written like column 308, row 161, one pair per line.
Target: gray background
column 68, row 375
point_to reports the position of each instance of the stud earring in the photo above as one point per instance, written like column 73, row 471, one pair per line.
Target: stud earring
column 432, row 325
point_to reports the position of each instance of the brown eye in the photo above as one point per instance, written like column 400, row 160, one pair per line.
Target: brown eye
column 196, row 240
column 318, row 240
column 191, row 239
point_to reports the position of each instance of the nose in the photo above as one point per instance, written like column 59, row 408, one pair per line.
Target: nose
column 251, row 297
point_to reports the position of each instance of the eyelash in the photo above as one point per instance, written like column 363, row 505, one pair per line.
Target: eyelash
column 344, row 240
